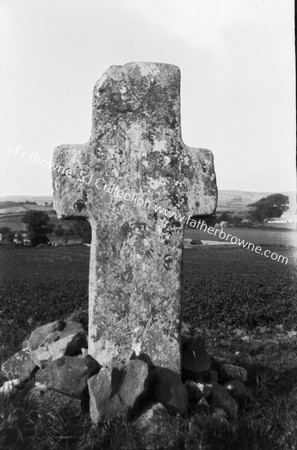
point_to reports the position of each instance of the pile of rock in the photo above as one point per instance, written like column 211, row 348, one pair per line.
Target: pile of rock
column 211, row 383
column 55, row 357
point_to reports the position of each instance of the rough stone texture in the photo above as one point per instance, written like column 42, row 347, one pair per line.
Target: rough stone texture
column 237, row 389
column 68, row 374
column 229, row 372
column 206, row 389
column 220, row 398
column 68, row 346
column 152, row 421
column 168, row 389
column 135, row 148
column 39, row 334
column 69, row 329
column 19, row 365
column 195, row 359
column 50, row 338
column 134, row 384
column 41, row 357
column 102, row 403
column 117, row 393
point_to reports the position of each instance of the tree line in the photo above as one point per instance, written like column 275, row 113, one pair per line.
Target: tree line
column 39, row 225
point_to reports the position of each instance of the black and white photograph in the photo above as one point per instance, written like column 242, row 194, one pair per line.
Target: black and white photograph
column 148, row 225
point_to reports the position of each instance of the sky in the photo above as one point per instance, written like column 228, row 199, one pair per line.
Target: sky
column 237, row 81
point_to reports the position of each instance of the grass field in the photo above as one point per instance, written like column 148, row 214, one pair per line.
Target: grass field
column 245, row 305
column 257, row 236
column 243, row 302
column 44, row 284
column 224, row 289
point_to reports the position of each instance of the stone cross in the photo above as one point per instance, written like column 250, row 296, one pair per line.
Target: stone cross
column 137, row 184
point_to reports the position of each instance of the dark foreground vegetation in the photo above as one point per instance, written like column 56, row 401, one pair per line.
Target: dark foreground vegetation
column 243, row 303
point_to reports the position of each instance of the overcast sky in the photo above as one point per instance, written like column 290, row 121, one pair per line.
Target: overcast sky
column 238, row 80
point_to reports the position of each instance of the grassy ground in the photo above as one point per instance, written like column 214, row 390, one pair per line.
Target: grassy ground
column 257, row 236
column 44, row 284
column 243, row 302
column 245, row 305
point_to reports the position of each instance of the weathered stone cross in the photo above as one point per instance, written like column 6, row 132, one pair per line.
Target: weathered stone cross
column 134, row 163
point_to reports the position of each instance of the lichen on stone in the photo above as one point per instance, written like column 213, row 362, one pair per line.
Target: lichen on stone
column 135, row 264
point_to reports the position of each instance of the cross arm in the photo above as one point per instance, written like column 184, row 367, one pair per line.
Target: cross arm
column 70, row 190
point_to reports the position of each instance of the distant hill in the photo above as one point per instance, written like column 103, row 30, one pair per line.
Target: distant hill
column 18, row 204
column 17, row 208
column 25, row 198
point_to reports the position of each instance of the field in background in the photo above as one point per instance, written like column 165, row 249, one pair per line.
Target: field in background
column 14, row 221
column 223, row 287
column 244, row 304
column 228, row 200
column 232, row 201
column 258, row 236
column 44, row 284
